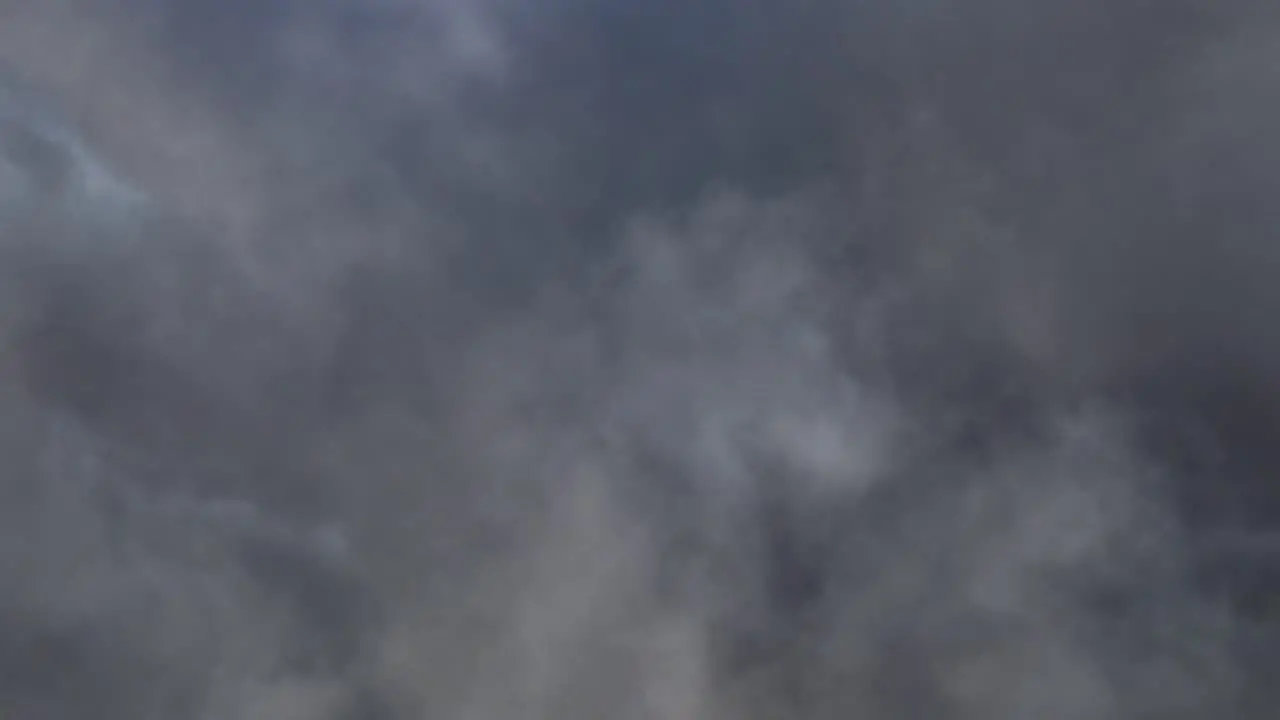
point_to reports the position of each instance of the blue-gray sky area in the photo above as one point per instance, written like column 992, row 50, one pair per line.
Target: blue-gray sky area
column 580, row 359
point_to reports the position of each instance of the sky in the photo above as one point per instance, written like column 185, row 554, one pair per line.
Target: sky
column 502, row 359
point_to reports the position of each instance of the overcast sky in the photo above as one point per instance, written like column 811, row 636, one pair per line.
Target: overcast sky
column 573, row 359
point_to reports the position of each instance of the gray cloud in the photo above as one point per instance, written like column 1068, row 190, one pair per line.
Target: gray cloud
column 656, row 360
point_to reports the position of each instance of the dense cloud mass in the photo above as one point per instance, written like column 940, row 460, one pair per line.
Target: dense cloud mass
column 577, row 359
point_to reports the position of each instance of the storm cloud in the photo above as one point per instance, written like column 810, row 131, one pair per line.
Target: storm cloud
column 600, row 358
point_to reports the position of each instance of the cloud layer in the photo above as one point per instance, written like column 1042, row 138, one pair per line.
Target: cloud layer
column 502, row 359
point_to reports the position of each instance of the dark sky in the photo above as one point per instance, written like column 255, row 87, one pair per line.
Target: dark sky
column 665, row 360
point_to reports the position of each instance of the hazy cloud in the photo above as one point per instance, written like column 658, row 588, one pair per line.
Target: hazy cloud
column 425, row 359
